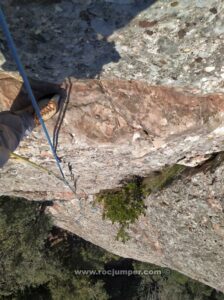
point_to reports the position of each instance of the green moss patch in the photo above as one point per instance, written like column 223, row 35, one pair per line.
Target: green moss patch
column 124, row 205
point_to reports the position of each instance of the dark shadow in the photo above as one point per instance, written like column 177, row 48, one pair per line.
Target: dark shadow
column 124, row 286
column 45, row 90
column 63, row 107
column 40, row 91
column 56, row 41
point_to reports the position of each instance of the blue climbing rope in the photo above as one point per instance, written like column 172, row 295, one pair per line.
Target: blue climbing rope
column 12, row 47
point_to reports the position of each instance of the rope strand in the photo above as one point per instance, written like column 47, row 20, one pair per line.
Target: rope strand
column 15, row 55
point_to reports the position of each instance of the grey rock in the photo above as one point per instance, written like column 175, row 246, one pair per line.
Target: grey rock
column 156, row 43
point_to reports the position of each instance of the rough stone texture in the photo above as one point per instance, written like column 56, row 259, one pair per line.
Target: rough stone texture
column 115, row 129
column 112, row 128
column 112, row 135
column 177, row 43
column 183, row 228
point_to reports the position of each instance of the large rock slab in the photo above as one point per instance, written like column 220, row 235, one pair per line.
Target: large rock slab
column 110, row 130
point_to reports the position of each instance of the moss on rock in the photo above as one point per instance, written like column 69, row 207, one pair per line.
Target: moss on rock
column 125, row 204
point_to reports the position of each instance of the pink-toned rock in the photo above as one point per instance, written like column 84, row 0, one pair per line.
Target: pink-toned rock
column 109, row 130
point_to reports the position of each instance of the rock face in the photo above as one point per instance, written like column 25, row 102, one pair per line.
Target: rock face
column 109, row 129
column 177, row 43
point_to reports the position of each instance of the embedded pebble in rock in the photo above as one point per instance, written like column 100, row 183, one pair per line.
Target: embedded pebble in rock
column 58, row 8
column 209, row 69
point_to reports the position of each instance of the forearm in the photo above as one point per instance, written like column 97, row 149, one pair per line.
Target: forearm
column 12, row 130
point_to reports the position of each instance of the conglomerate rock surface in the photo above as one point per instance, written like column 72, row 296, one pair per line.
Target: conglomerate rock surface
column 109, row 128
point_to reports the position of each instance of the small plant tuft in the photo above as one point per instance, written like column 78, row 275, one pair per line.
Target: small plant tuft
column 123, row 206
